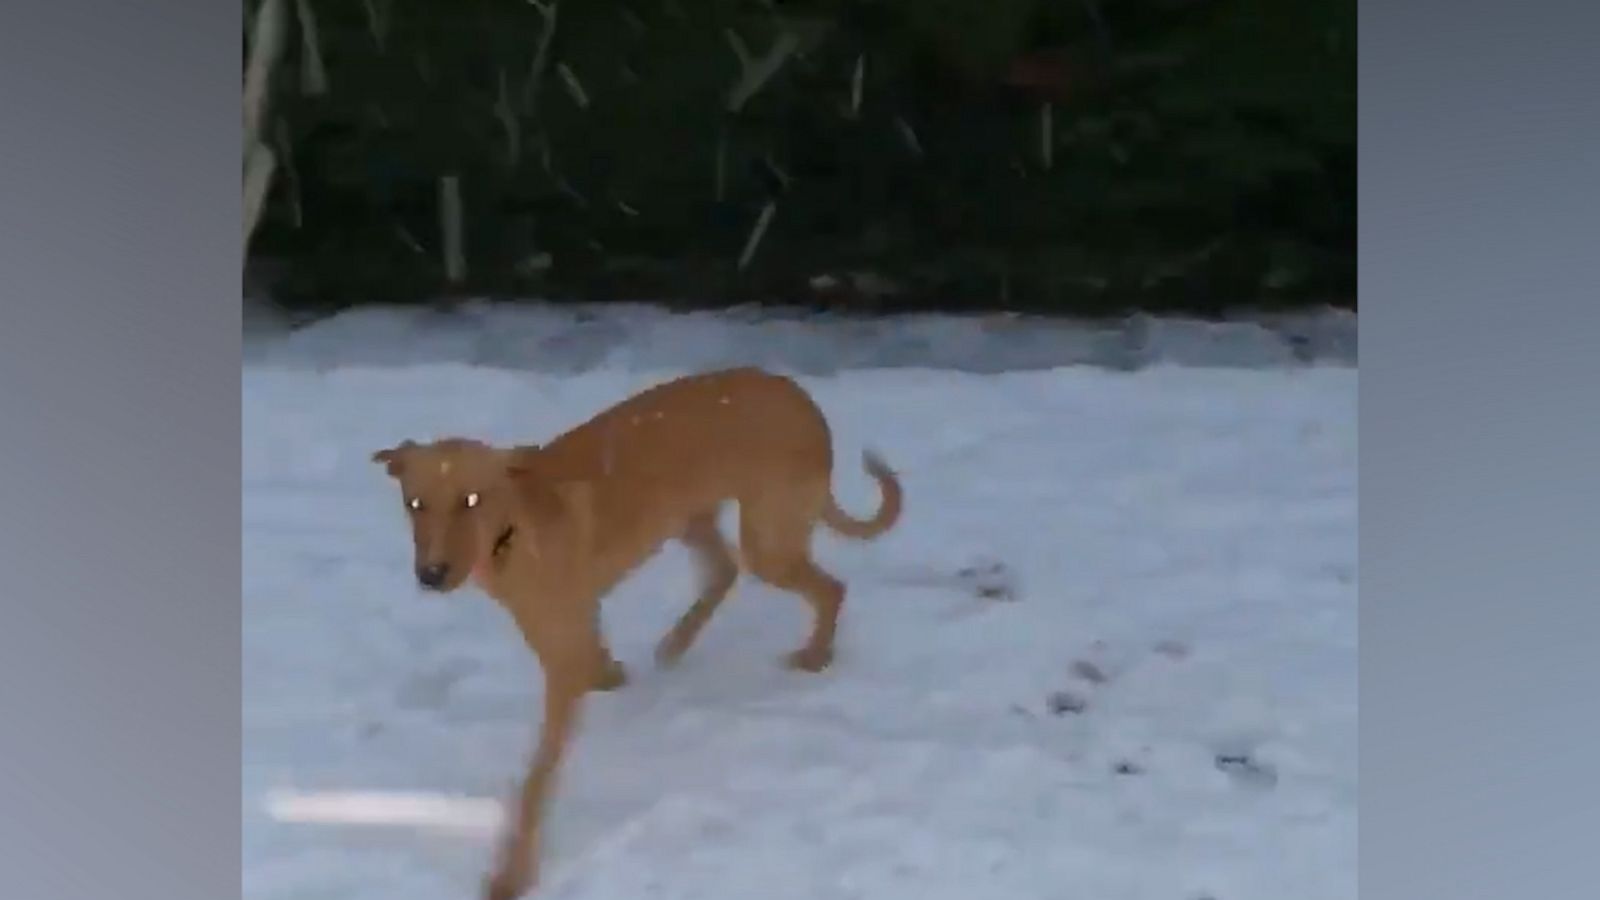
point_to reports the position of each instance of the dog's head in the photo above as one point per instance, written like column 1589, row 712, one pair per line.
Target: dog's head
column 462, row 500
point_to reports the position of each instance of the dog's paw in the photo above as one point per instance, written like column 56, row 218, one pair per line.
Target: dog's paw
column 810, row 659
column 507, row 884
column 611, row 677
column 517, row 871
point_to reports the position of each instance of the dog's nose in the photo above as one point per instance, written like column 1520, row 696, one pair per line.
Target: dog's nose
column 432, row 575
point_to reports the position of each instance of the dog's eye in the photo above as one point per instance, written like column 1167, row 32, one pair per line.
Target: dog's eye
column 471, row 500
column 415, row 503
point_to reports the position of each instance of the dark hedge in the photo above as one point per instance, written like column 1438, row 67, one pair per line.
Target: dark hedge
column 1077, row 156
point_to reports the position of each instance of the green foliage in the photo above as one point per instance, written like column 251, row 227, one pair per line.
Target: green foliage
column 1200, row 153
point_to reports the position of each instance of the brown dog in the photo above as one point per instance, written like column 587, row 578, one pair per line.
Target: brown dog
column 548, row 531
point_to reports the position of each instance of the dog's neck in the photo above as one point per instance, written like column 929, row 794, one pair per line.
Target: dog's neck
column 486, row 572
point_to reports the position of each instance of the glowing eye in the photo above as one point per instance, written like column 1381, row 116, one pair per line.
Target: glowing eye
column 415, row 503
column 471, row 500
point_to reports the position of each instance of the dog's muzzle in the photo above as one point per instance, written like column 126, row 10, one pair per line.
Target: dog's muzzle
column 433, row 576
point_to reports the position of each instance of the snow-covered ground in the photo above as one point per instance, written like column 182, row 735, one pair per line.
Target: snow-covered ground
column 1108, row 654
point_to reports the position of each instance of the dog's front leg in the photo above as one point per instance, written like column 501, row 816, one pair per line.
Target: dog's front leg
column 567, row 678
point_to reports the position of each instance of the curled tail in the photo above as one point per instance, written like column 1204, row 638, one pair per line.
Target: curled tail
column 888, row 511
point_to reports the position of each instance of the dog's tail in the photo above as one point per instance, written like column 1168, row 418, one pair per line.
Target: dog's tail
column 888, row 511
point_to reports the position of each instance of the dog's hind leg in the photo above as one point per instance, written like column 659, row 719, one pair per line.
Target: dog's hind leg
column 775, row 539
column 718, row 572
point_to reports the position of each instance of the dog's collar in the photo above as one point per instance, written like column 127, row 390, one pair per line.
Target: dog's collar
column 503, row 541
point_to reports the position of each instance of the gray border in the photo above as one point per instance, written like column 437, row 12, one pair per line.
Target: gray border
column 119, row 649
column 1478, row 193
column 118, row 659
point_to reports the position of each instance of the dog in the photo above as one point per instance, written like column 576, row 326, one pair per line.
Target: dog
column 548, row 531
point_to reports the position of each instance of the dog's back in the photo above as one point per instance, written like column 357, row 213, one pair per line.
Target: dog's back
column 674, row 453
column 726, row 432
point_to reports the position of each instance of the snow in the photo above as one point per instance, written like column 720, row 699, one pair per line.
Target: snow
column 1109, row 653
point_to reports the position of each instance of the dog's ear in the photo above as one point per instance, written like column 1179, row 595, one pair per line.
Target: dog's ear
column 393, row 458
column 519, row 460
